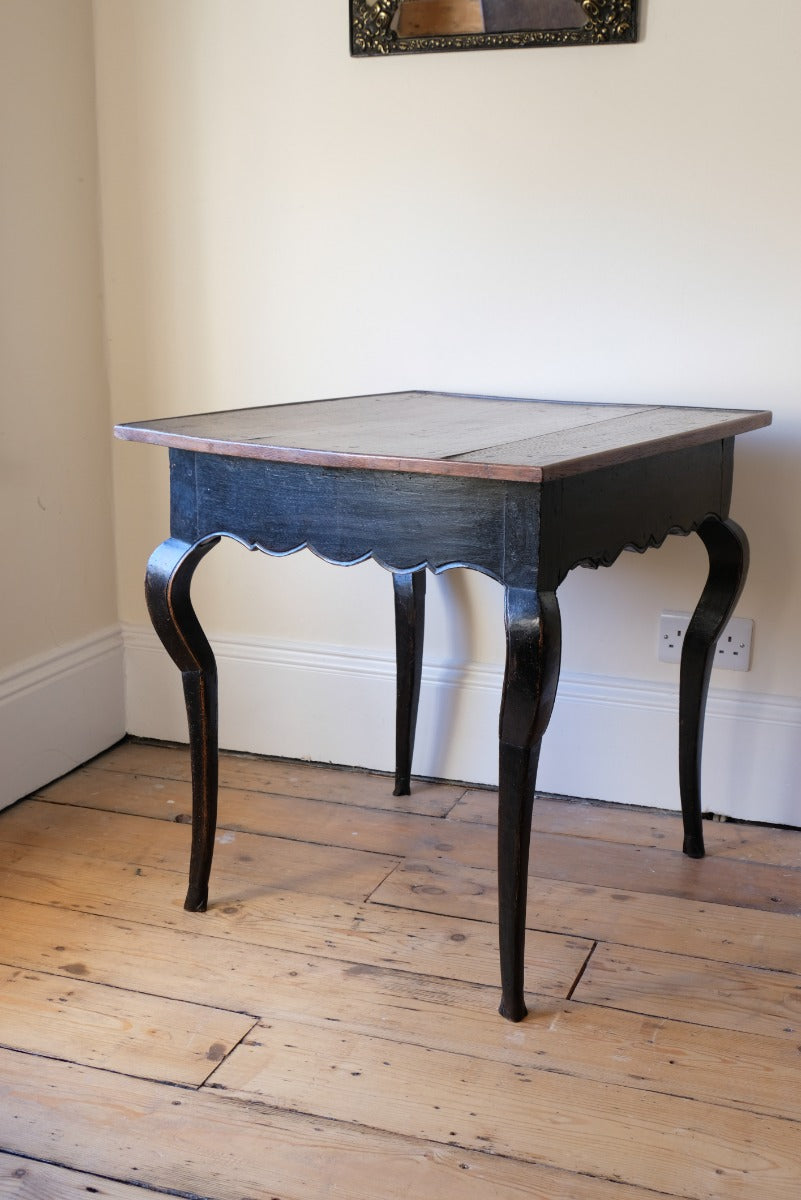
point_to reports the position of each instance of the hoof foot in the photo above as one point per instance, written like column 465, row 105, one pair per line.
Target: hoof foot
column 196, row 901
column 514, row 1010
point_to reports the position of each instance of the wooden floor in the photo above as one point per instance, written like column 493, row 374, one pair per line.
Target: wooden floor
column 328, row 1029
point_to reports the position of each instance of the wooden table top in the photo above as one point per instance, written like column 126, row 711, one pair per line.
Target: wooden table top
column 443, row 434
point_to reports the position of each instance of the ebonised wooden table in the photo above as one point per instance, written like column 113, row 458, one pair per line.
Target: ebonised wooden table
column 521, row 490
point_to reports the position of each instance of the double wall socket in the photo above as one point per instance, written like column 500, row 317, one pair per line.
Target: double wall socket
column 733, row 651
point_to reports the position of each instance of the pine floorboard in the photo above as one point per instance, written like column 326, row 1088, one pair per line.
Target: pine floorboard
column 328, row 1029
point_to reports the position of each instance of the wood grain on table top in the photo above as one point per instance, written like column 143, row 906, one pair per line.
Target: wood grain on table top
column 444, row 434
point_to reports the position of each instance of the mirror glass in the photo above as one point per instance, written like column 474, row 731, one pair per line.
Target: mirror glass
column 408, row 26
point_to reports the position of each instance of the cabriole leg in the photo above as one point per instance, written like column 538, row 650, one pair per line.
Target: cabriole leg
column 410, row 611
column 727, row 547
column 167, row 585
column 533, row 650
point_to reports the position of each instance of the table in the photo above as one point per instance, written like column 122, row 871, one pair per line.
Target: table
column 522, row 490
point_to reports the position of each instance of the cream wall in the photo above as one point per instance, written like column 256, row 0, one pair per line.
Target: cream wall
column 60, row 650
column 282, row 222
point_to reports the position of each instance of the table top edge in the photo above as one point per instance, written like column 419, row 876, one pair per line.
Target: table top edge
column 732, row 423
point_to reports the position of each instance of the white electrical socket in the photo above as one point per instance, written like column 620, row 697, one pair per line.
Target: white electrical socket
column 733, row 651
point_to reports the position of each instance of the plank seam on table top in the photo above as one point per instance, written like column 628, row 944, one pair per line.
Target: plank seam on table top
column 651, row 446
column 516, row 441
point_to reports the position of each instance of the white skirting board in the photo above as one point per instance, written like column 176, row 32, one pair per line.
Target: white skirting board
column 609, row 739
column 59, row 709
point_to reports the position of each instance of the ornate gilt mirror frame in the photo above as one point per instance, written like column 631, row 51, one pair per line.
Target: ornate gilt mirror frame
column 426, row 26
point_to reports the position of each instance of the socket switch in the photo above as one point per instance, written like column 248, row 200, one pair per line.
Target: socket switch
column 733, row 651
